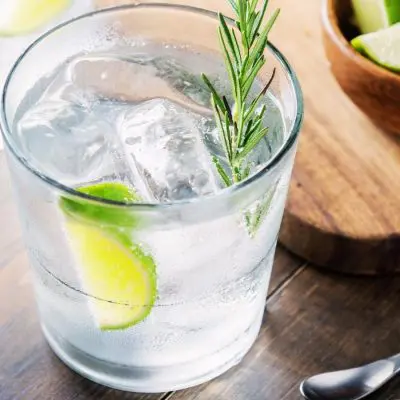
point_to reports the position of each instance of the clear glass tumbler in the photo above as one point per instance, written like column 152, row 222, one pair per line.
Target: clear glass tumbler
column 200, row 275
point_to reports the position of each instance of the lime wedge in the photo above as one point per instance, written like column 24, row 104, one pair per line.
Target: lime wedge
column 18, row 17
column 119, row 277
column 87, row 211
column 382, row 47
column 373, row 15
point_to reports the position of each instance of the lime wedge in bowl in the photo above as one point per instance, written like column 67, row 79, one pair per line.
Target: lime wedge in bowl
column 382, row 47
column 373, row 15
column 116, row 273
column 19, row 17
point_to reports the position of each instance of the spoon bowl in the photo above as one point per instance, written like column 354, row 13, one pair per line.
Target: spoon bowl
column 351, row 384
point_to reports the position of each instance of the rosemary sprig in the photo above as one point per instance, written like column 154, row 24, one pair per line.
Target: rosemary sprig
column 241, row 127
column 255, row 219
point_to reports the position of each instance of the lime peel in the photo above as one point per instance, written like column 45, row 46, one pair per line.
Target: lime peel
column 119, row 276
column 373, row 15
column 382, row 47
column 92, row 212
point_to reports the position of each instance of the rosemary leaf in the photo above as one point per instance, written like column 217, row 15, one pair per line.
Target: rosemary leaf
column 228, row 109
column 258, row 21
column 236, row 45
column 222, row 129
column 250, row 79
column 252, row 142
column 246, row 171
column 229, row 65
column 225, row 32
column 251, row 21
column 234, row 5
column 242, row 21
column 263, row 38
column 253, row 5
column 237, row 174
column 248, row 220
column 222, row 172
column 240, row 125
column 255, row 126
column 261, row 212
column 266, row 87
column 213, row 92
column 249, row 130
column 228, row 136
column 254, row 103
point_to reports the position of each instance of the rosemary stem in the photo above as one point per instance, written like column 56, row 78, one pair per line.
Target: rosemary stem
column 242, row 126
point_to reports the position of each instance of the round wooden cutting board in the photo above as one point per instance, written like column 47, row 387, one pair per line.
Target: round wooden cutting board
column 343, row 210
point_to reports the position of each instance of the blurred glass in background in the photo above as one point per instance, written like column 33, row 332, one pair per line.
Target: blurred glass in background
column 22, row 21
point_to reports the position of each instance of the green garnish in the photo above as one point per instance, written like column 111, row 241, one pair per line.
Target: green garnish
column 382, row 47
column 241, row 127
column 117, row 274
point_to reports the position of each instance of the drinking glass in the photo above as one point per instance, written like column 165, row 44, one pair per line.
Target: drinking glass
column 206, row 265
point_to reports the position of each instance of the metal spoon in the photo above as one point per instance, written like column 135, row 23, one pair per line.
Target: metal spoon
column 351, row 384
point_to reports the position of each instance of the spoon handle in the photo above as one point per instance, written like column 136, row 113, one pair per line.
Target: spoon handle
column 396, row 360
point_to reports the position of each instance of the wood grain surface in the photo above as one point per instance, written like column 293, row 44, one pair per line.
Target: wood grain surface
column 343, row 209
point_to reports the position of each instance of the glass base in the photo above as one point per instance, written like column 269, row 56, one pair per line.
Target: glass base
column 153, row 380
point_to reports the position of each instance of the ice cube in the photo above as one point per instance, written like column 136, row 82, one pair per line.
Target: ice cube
column 179, row 77
column 166, row 152
column 68, row 131
column 63, row 140
column 134, row 79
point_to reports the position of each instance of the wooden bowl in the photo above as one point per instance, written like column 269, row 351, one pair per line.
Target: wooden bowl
column 375, row 90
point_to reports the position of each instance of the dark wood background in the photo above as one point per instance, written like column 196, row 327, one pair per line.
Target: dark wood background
column 314, row 321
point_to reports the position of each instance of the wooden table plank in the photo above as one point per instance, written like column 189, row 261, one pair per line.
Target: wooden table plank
column 286, row 265
column 317, row 322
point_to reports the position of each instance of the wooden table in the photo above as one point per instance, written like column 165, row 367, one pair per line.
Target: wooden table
column 314, row 321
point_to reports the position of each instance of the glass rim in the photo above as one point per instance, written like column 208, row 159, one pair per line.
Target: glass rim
column 272, row 163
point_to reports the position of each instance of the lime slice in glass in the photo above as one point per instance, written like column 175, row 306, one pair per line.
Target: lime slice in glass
column 382, row 47
column 116, row 273
column 18, row 17
column 373, row 15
